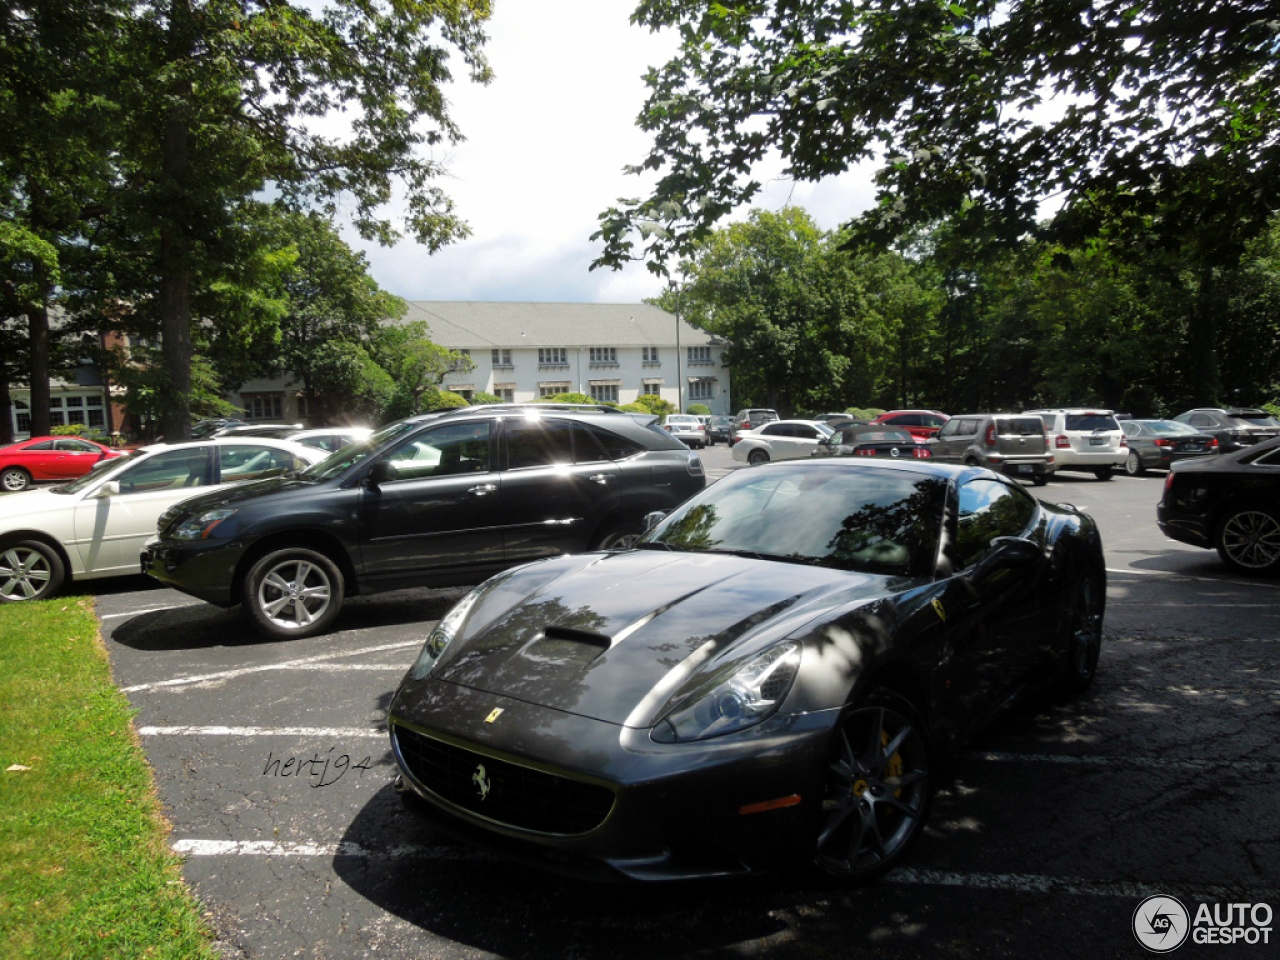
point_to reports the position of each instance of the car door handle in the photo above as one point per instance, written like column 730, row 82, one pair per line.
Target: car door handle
column 601, row 478
column 481, row 489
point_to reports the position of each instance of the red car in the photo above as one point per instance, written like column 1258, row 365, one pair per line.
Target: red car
column 49, row 458
column 921, row 424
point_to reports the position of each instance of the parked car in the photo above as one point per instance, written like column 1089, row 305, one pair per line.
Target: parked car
column 278, row 430
column 1009, row 443
column 1157, row 444
column 434, row 500
column 96, row 526
column 748, row 419
column 686, row 428
column 811, row 637
column 202, row 429
column 42, row 459
column 330, row 439
column 1230, row 503
column 780, row 440
column 718, row 429
column 872, row 440
column 1085, row 439
column 1235, row 427
column 924, row 424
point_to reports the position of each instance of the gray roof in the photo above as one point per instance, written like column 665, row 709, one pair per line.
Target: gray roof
column 469, row 325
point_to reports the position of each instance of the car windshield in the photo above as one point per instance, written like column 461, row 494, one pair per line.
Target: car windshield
column 1168, row 428
column 95, row 473
column 845, row 517
column 342, row 460
column 1092, row 422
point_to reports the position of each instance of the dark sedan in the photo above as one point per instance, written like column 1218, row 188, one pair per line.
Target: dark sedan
column 1158, row 444
column 1229, row 503
column 765, row 679
column 436, row 500
column 872, row 440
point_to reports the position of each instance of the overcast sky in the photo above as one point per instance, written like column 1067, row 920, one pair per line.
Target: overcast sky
column 546, row 144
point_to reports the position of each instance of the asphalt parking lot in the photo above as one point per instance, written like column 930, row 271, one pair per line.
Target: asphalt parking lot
column 1047, row 834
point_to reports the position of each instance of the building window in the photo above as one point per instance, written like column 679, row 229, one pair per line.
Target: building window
column 505, row 394
column 607, row 355
column 604, row 392
column 460, row 362
column 700, row 389
column 22, row 416
column 500, row 358
column 553, row 357
column 650, row 357
column 265, row 407
column 699, row 354
column 651, row 388
column 549, row 388
column 466, row 393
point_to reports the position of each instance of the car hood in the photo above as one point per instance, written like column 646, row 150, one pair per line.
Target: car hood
column 17, row 509
column 235, row 494
column 615, row 637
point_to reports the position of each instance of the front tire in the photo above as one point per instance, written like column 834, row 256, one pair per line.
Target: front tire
column 877, row 788
column 29, row 570
column 619, row 536
column 13, row 479
column 1133, row 465
column 757, row 457
column 1248, row 540
column 292, row 593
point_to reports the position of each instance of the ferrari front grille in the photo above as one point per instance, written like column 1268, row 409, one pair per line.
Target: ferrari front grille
column 501, row 791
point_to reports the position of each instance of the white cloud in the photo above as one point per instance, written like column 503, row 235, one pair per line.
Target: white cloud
column 546, row 144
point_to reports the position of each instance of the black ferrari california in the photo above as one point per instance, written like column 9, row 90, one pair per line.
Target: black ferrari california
column 765, row 679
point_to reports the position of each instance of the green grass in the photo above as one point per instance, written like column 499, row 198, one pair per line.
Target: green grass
column 85, row 869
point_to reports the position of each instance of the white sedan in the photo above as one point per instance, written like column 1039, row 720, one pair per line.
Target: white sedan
column 780, row 440
column 96, row 526
column 687, row 428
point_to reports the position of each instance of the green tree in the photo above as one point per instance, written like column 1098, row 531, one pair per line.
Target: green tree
column 802, row 333
column 224, row 99
column 415, row 364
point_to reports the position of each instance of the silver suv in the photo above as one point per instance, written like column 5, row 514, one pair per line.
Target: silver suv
column 1085, row 438
column 1009, row 443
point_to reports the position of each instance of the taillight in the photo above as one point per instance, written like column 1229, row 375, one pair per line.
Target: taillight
column 1213, row 442
column 921, row 453
column 864, row 452
column 1124, row 442
column 1168, row 481
column 990, row 440
column 1062, row 442
column 1163, row 442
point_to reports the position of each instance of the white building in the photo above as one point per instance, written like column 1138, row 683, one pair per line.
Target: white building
column 613, row 352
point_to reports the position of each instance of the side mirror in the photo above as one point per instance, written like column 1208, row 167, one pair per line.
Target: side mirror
column 109, row 489
column 384, row 471
column 652, row 519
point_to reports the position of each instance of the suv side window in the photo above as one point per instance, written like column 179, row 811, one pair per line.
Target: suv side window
column 592, row 443
column 446, row 450
column 538, row 443
column 988, row 509
column 1202, row 420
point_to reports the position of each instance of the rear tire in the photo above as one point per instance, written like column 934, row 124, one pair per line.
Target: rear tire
column 292, row 593
column 757, row 457
column 1133, row 465
column 619, row 536
column 1248, row 539
column 1082, row 631
column 13, row 479
column 1103, row 473
column 29, row 570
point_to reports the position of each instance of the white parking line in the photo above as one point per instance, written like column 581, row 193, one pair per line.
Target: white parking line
column 303, row 663
column 138, row 613
column 307, row 732
column 1014, row 882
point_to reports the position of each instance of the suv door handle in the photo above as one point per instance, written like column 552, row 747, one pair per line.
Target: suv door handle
column 601, row 478
column 481, row 489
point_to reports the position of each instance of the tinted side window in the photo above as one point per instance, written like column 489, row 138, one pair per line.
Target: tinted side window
column 44, row 445
column 1202, row 420
column 1091, row 421
column 989, row 509
column 443, row 451
column 967, row 428
column 538, row 443
column 250, row 461
column 615, row 447
column 167, row 471
column 1020, row 427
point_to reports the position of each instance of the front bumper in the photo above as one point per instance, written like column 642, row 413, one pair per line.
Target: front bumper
column 732, row 805
column 203, row 569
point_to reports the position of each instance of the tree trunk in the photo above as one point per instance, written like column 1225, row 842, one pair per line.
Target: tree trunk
column 38, row 327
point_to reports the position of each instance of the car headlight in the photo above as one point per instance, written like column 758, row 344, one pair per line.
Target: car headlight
column 734, row 698
column 201, row 525
column 443, row 635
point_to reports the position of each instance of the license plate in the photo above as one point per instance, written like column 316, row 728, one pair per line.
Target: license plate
column 1097, row 441
column 1025, row 468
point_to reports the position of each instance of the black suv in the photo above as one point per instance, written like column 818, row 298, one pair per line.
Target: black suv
column 441, row 499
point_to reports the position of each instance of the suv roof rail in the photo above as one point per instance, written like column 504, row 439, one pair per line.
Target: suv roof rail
column 534, row 405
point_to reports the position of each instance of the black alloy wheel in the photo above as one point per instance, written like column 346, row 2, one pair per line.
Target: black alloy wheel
column 1082, row 629
column 292, row 593
column 878, row 789
column 29, row 570
column 1248, row 539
